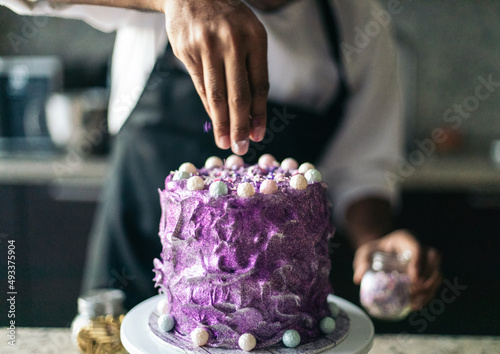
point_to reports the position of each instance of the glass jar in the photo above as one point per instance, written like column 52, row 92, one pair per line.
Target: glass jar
column 96, row 328
column 385, row 288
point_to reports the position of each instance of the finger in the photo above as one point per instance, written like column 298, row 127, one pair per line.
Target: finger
column 196, row 73
column 239, row 97
column 216, row 96
column 362, row 262
column 259, row 85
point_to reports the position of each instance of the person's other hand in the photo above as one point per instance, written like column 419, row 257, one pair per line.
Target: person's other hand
column 423, row 267
column 224, row 47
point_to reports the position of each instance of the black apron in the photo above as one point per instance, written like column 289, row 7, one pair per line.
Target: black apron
column 165, row 130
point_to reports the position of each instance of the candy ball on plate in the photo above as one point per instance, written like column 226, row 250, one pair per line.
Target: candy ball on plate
column 234, row 162
column 181, row 175
column 166, row 323
column 188, row 167
column 195, row 183
column 163, row 306
column 247, row 342
column 289, row 164
column 291, row 338
column 312, row 175
column 218, row 188
column 334, row 309
column 327, row 325
column 305, row 167
column 245, row 189
column 298, row 182
column 199, row 337
column 268, row 186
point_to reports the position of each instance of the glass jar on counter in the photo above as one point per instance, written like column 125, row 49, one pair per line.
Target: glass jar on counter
column 96, row 328
column 385, row 288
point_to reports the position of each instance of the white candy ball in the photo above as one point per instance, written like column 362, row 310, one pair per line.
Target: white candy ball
column 245, row 189
column 247, row 342
column 199, row 337
column 289, row 164
column 268, row 186
column 312, row 175
column 298, row 182
column 234, row 162
column 267, row 160
column 166, row 323
column 188, row 167
column 213, row 161
column 162, row 307
column 305, row 167
column 195, row 183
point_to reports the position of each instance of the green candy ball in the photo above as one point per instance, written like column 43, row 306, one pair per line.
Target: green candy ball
column 291, row 338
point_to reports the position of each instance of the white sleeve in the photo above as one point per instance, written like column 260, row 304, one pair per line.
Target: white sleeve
column 103, row 18
column 367, row 146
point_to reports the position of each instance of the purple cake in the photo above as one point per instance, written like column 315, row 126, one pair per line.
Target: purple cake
column 245, row 252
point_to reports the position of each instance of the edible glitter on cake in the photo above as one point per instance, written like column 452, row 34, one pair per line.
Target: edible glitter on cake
column 237, row 265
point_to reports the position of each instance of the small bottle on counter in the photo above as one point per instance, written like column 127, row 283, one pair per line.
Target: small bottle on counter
column 96, row 328
column 385, row 288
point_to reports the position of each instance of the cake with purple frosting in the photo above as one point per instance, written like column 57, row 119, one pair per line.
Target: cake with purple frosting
column 245, row 260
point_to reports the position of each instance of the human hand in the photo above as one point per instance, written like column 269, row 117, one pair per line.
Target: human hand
column 423, row 267
column 224, row 48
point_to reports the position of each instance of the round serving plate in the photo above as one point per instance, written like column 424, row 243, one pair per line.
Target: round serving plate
column 138, row 338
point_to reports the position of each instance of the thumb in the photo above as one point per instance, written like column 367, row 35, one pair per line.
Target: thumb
column 361, row 262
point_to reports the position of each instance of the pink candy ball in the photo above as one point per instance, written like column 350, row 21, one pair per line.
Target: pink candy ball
column 234, row 162
column 268, row 186
column 267, row 160
column 289, row 164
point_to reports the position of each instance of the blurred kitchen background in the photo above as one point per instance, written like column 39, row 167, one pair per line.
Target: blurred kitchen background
column 50, row 179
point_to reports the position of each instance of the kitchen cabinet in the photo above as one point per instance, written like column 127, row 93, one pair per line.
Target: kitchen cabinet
column 51, row 238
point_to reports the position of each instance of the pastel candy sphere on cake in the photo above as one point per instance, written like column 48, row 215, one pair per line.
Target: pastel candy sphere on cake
column 162, row 307
column 213, row 161
column 181, row 175
column 291, row 338
column 188, row 167
column 298, row 182
column 312, row 175
column 305, row 167
column 200, row 337
column 195, row 183
column 267, row 161
column 245, row 189
column 289, row 164
column 166, row 323
column 247, row 342
column 334, row 309
column 268, row 186
column 218, row 188
column 234, row 162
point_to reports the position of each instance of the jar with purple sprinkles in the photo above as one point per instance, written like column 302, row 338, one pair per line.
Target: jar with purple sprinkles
column 385, row 288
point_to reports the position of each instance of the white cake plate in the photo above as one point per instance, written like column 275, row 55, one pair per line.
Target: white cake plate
column 137, row 338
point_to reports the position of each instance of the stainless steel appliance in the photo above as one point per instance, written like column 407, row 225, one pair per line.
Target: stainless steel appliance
column 25, row 84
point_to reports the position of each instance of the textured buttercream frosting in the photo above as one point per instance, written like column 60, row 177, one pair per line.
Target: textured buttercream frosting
column 234, row 265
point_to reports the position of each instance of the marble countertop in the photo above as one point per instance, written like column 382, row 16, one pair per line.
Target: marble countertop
column 57, row 340
column 465, row 172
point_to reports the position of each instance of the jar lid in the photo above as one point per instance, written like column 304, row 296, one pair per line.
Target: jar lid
column 397, row 261
column 100, row 302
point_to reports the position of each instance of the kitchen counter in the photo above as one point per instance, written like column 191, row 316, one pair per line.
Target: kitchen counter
column 57, row 340
column 465, row 172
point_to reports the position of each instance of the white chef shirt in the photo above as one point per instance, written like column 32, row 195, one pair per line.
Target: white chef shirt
column 368, row 145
